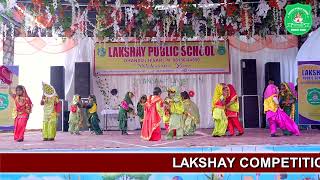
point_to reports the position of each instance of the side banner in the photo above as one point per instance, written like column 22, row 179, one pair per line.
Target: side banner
column 309, row 92
column 170, row 58
column 6, row 103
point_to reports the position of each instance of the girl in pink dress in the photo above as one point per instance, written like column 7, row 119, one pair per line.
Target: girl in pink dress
column 275, row 115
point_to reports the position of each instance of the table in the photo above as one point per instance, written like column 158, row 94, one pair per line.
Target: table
column 107, row 113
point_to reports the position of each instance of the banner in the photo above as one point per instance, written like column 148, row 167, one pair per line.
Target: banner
column 160, row 162
column 309, row 92
column 170, row 58
column 6, row 102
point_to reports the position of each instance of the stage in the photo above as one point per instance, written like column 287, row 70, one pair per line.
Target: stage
column 113, row 140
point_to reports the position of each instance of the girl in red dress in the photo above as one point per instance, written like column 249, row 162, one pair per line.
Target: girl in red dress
column 21, row 112
column 153, row 112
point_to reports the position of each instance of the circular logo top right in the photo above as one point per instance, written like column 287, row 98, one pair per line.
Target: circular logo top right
column 298, row 19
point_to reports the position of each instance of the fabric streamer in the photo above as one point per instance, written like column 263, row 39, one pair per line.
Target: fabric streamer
column 5, row 75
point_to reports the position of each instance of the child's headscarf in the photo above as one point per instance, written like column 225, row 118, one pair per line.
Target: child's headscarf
column 217, row 93
column 232, row 94
column 28, row 102
column 48, row 90
column 270, row 91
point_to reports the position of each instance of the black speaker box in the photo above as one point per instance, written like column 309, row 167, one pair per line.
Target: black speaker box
column 82, row 79
column 66, row 121
column 250, row 111
column 249, row 77
column 272, row 71
column 57, row 80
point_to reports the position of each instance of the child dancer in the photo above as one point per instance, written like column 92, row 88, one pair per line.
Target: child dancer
column 218, row 110
column 93, row 118
column 152, row 117
column 275, row 115
column 21, row 112
column 75, row 118
column 176, row 115
column 49, row 102
column 166, row 116
column 140, row 108
column 232, row 111
column 191, row 115
column 125, row 108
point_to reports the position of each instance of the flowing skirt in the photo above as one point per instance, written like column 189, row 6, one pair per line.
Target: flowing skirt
column 283, row 121
column 94, row 120
column 189, row 126
column 156, row 134
column 123, row 120
column 49, row 126
column 20, row 124
column 220, row 122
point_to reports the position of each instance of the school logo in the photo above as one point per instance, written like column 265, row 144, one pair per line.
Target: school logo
column 221, row 50
column 4, row 101
column 298, row 19
column 313, row 96
column 101, row 52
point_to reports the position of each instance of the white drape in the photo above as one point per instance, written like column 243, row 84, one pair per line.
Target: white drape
column 310, row 50
column 202, row 85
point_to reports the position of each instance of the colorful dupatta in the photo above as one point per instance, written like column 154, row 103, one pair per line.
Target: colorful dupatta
column 22, row 108
column 287, row 99
column 270, row 92
column 152, row 118
column 218, row 92
column 232, row 102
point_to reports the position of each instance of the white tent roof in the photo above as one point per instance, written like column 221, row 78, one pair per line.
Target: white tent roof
column 310, row 50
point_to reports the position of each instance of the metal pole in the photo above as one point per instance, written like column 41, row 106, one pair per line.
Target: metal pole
column 62, row 114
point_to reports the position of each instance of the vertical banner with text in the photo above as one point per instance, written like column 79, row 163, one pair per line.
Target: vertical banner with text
column 309, row 92
column 169, row 58
column 6, row 103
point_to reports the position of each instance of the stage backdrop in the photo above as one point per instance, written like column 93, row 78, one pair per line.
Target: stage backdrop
column 309, row 92
column 6, row 103
column 59, row 52
column 168, row 58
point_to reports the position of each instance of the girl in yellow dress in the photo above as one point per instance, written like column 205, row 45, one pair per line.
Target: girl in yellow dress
column 218, row 110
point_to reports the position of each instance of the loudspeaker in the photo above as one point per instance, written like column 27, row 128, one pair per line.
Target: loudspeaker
column 249, row 77
column 250, row 111
column 57, row 80
column 82, row 79
column 272, row 71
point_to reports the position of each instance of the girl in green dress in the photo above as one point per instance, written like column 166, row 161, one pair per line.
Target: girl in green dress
column 93, row 118
column 191, row 115
column 176, row 115
column 75, row 118
column 287, row 102
column 126, row 107
column 140, row 108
